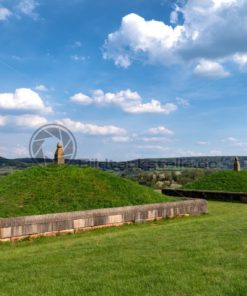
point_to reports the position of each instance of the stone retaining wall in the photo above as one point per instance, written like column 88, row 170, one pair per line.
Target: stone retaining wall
column 15, row 228
column 207, row 194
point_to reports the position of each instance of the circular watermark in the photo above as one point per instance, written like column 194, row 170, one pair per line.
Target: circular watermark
column 43, row 143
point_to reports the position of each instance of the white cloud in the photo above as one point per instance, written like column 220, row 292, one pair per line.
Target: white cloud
column 41, row 87
column 4, row 13
column 121, row 139
column 136, row 36
column 210, row 69
column 174, row 15
column 91, row 129
column 30, row 120
column 160, row 130
column 237, row 142
column 182, row 102
column 81, row 99
column 127, row 100
column 20, row 151
column 153, row 147
column 209, row 30
column 186, row 153
column 3, row 151
column 23, row 99
column 78, row 58
column 232, row 139
column 241, row 61
column 202, row 143
column 27, row 7
column 215, row 152
column 77, row 44
column 14, row 151
column 3, row 120
column 221, row 3
column 152, row 107
column 26, row 120
column 155, row 139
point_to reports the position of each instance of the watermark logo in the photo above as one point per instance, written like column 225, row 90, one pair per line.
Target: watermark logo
column 44, row 141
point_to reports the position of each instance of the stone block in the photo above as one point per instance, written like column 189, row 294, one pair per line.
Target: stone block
column 5, row 232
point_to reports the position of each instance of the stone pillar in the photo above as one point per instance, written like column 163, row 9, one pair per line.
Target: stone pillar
column 59, row 155
column 237, row 167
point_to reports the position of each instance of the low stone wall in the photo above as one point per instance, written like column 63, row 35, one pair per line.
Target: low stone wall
column 52, row 224
column 207, row 194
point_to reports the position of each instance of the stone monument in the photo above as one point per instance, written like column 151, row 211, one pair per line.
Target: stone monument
column 59, row 155
column 237, row 165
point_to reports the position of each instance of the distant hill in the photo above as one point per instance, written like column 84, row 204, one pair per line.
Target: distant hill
column 12, row 162
column 51, row 189
column 221, row 181
column 208, row 162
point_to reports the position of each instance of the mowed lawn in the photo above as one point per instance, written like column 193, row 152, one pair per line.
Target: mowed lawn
column 204, row 255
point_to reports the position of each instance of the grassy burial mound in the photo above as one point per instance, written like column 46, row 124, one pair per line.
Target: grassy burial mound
column 229, row 181
column 51, row 190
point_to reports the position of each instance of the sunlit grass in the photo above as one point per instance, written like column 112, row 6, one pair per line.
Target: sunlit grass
column 203, row 255
column 52, row 189
column 221, row 181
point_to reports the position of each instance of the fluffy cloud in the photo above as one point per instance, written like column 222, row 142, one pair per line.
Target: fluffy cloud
column 153, row 147
column 127, row 100
column 221, row 3
column 160, row 130
column 236, row 142
column 216, row 152
column 81, row 99
column 210, row 69
column 14, row 151
column 20, row 151
column 241, row 61
column 183, row 102
column 91, row 129
column 34, row 121
column 27, row 121
column 187, row 153
column 3, row 120
column 23, row 120
column 121, row 139
column 23, row 99
column 136, row 36
column 4, row 13
column 27, row 7
column 156, row 134
column 202, row 143
column 155, row 139
column 77, row 44
column 78, row 58
column 208, row 30
column 41, row 87
column 30, row 120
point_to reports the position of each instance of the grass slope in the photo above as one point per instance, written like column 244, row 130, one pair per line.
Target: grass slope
column 203, row 255
column 48, row 190
column 221, row 181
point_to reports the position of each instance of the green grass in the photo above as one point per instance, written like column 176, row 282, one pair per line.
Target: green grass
column 49, row 190
column 203, row 255
column 221, row 181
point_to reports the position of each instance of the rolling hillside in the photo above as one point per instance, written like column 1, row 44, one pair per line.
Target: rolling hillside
column 50, row 189
column 221, row 181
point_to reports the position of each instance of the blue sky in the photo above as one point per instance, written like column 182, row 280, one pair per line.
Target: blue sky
column 130, row 79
